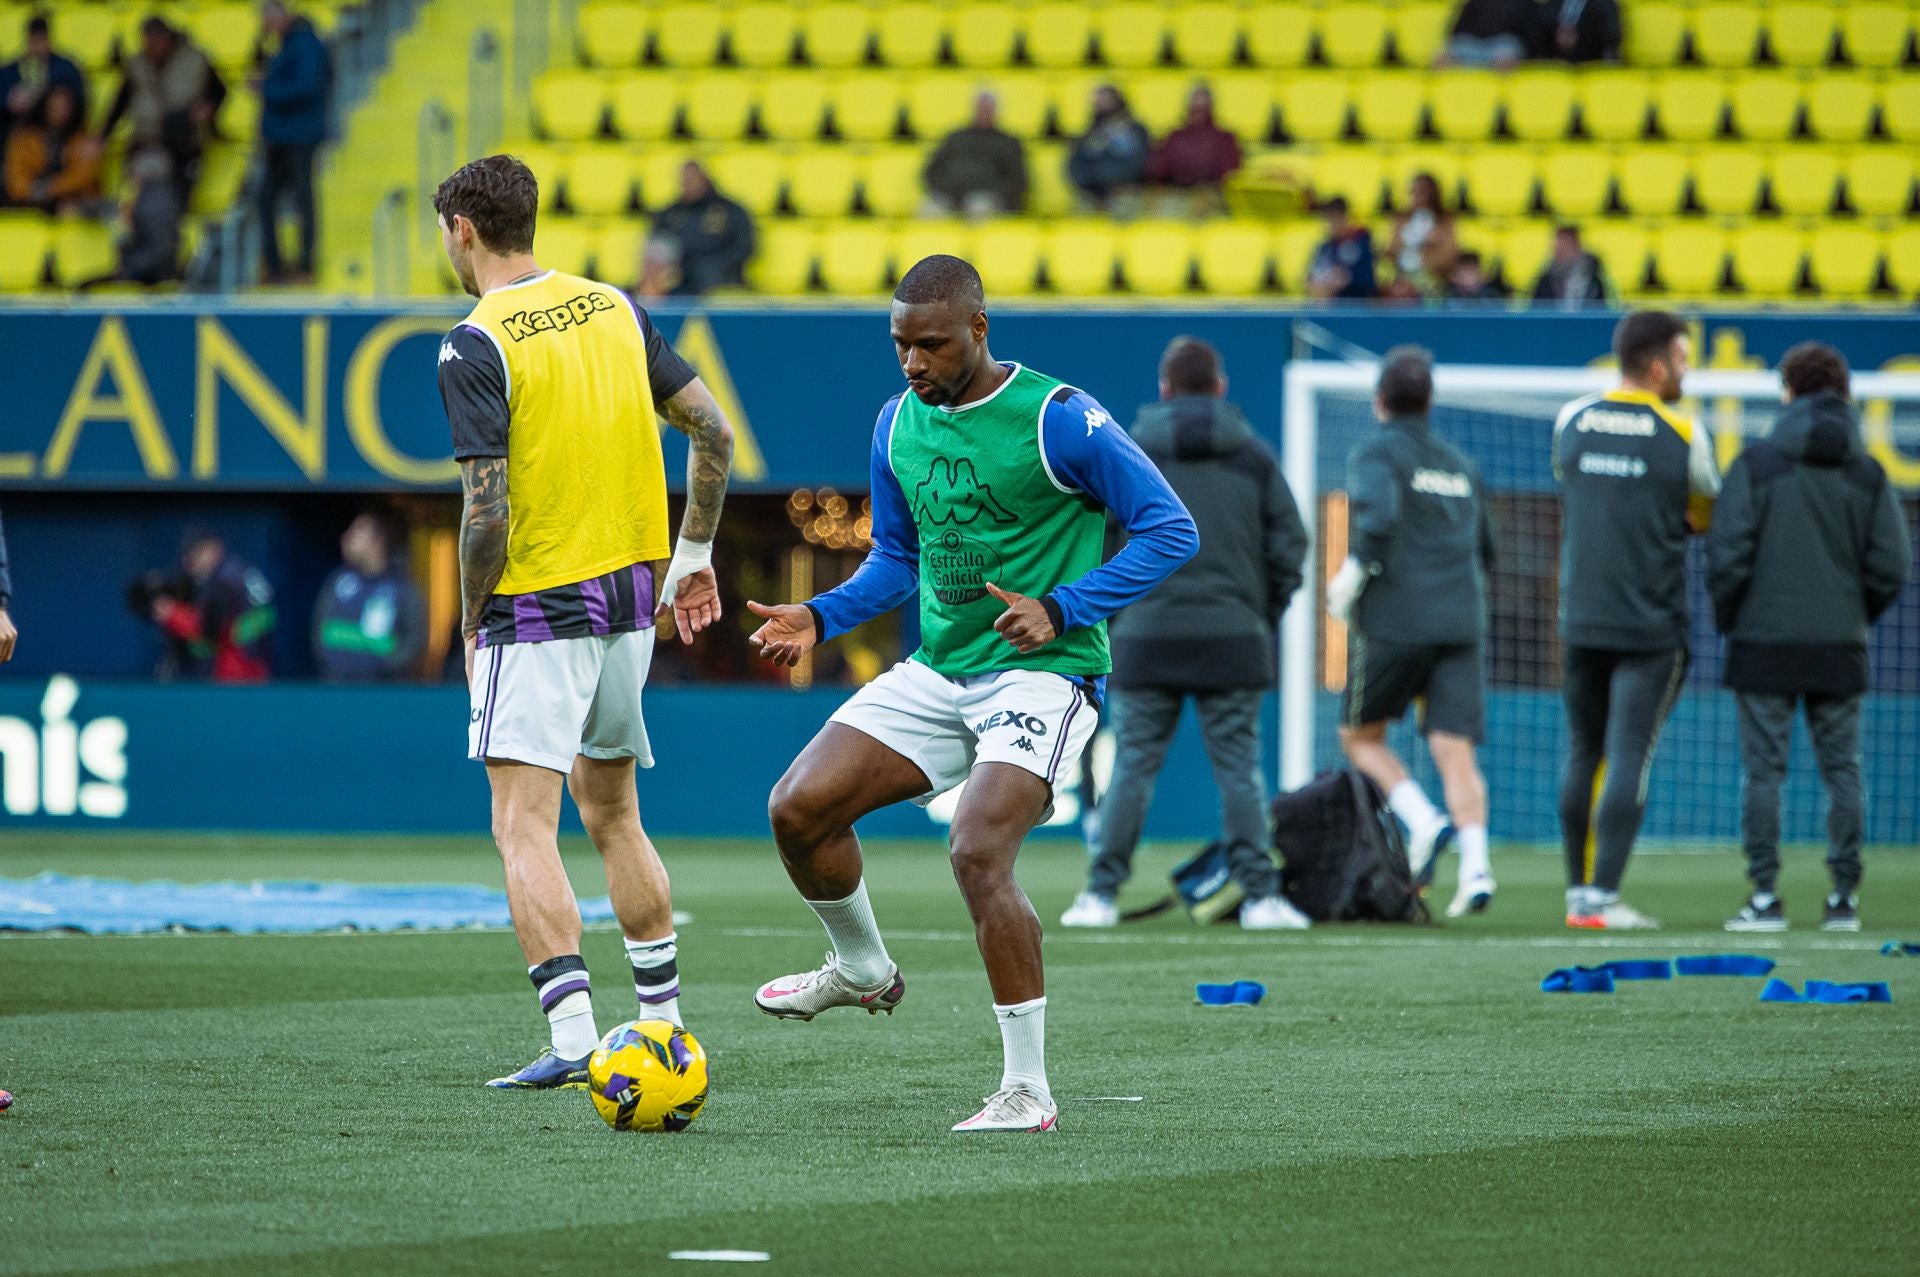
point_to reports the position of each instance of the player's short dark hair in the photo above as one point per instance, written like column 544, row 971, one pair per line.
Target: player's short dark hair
column 1335, row 204
column 1813, row 366
column 1190, row 367
column 1644, row 336
column 942, row 278
column 499, row 195
column 1406, row 381
column 37, row 24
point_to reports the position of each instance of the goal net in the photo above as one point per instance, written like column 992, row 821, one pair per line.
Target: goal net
column 1503, row 419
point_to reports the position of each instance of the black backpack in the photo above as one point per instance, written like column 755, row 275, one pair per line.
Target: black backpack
column 1344, row 857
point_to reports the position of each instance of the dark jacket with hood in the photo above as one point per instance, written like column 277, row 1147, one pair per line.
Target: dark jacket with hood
column 293, row 92
column 1808, row 548
column 1210, row 626
column 1418, row 523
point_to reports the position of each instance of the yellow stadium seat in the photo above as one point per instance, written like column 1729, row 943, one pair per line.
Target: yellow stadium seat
column 1007, row 255
column 599, row 181
column 1157, row 257
column 1802, row 178
column 913, row 242
column 1880, row 180
column 548, row 166
column 1653, row 180
column 1575, row 180
column 568, row 105
column 1420, row 32
column 688, row 34
column 1654, row 33
column 793, row 106
column 1353, row 35
column 1690, row 257
column 1313, row 106
column 1839, row 107
column 1726, row 35
column 1279, row 35
column 1845, row 260
column 567, row 245
column 1900, row 108
column 228, row 33
column 719, row 106
column 1539, row 103
column 1232, row 257
column 1622, row 249
column 1801, row 35
column 656, row 175
column 239, row 117
column 87, row 33
column 821, row 181
column 1726, row 179
column 1080, row 257
column 1243, row 104
column 782, row 259
column 1689, row 105
column 1356, row 173
column 1057, row 35
column 617, row 250
column 836, row 35
column 753, row 176
column 1131, row 35
column 890, row 180
column 1903, row 260
column 1767, row 259
column 1463, row 104
column 24, row 241
column 1442, row 163
column 1293, row 248
column 983, row 35
column 1159, row 98
column 1613, row 104
column 611, row 35
column 83, row 250
column 910, row 35
column 1499, row 181
column 1388, row 105
column 1524, row 248
column 853, row 259
column 1072, row 95
column 1049, row 193
column 1025, row 98
column 866, row 106
column 762, row 35
column 645, row 105
column 1875, row 35
column 1205, row 35
column 1766, row 105
column 938, row 103
column 222, row 171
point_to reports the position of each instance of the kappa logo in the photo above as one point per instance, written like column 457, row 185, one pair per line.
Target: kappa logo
column 1096, row 418
column 952, row 493
column 556, row 319
column 1024, row 743
column 448, row 353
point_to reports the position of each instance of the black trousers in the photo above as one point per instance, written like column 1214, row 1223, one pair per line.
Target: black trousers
column 1766, row 732
column 1616, row 704
column 289, row 174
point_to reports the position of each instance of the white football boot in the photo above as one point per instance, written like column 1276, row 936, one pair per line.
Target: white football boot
column 1473, row 895
column 1424, row 849
column 807, row 993
column 1091, row 910
column 1611, row 915
column 1014, row 1109
column 1272, row 913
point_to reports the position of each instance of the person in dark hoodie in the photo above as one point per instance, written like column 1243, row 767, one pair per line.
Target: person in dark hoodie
column 1206, row 633
column 369, row 623
column 1808, row 548
column 293, row 124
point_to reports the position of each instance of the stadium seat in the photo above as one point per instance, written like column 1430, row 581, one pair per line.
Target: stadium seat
column 1072, row 95
column 1613, row 104
column 1845, row 260
column 1767, row 259
column 1726, row 179
column 688, row 34
column 1058, row 35
column 1654, row 34
column 853, row 259
column 228, row 33
column 1688, row 105
column 793, row 106
column 1622, row 249
column 1463, row 104
column 751, row 175
column 1653, row 180
column 1049, row 193
column 1293, row 248
column 83, row 250
column 1539, row 103
column 889, row 180
column 1243, row 104
column 1388, row 106
column 1354, row 172
column 24, row 241
column 656, row 175
column 1232, row 257
column 1442, row 163
column 223, row 170
column 1353, row 35
column 1313, row 106
column 1880, row 180
column 866, row 106
column 87, row 33
column 940, row 102
column 1524, row 248
column 836, row 35
column 1801, row 35
column 617, row 250
column 567, row 245
column 1903, row 260
column 1080, row 257
column 719, row 106
column 611, row 35
column 1875, row 35
column 1726, row 35
column 1840, row 107
column 568, row 105
column 548, row 166
column 1690, row 257
column 600, row 181
column 645, row 105
column 783, row 258
column 1766, row 105
column 912, row 242
column 762, row 35
column 1025, row 99
column 1801, row 179
column 1159, row 99
column 1131, row 35
column 909, row 36
column 821, row 182
column 1419, row 32
column 1007, row 254
column 983, row 35
column 1156, row 258
column 1205, row 35
column 1499, row 181
column 1279, row 35
column 1900, row 108
column 1576, row 180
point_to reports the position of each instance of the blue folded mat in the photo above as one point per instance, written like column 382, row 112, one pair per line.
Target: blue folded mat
column 1900, row 949
column 1724, row 964
column 1641, row 969
column 1827, row 991
column 1241, row 993
column 1578, row 980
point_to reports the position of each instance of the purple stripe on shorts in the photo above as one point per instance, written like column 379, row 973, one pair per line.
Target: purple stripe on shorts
column 551, row 997
column 643, row 604
column 486, row 710
column 1060, row 746
column 595, row 594
column 655, row 999
column 529, row 622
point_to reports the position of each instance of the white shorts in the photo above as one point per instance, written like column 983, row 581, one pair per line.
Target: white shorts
column 544, row 703
column 946, row 726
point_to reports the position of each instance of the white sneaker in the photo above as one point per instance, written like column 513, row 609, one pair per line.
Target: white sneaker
column 1014, row 1109
column 1615, row 915
column 808, row 993
column 1473, row 896
column 1423, row 850
column 1273, row 913
column 1089, row 909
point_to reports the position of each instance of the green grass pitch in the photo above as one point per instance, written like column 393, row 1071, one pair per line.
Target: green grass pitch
column 1405, row 1101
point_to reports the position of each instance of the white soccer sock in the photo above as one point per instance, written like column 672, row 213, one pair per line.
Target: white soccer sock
column 1472, row 842
column 567, row 999
column 1415, row 809
column 858, row 950
column 1023, row 1046
column 656, row 977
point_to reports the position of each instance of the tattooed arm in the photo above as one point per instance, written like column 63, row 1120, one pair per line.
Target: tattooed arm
column 691, row 590
column 483, row 537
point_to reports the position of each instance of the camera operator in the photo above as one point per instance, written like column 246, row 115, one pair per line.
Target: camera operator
column 216, row 612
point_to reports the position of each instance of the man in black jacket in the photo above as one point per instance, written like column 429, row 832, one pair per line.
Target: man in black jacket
column 1808, row 548
column 1206, row 633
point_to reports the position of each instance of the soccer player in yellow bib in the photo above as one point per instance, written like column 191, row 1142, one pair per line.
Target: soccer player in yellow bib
column 552, row 385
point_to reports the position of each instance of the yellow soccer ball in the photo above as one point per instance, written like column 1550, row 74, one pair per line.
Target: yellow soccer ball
column 648, row 1075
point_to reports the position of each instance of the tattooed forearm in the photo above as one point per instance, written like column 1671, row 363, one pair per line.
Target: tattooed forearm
column 693, row 413
column 483, row 536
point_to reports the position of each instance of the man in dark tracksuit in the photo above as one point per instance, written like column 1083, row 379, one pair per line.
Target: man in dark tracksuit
column 1808, row 548
column 1207, row 633
column 1414, row 590
column 1637, row 479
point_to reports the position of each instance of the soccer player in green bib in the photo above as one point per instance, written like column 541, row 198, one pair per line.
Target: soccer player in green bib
column 991, row 487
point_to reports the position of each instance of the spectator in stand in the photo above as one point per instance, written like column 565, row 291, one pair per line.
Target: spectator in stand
column 978, row 171
column 1197, row 157
column 51, row 163
column 1423, row 247
column 26, row 81
column 1493, row 33
column 1573, row 278
column 1109, row 161
column 150, row 211
column 293, row 123
column 1342, row 267
column 223, row 626
column 369, row 623
column 1468, row 282
column 8, row 635
column 659, row 270
column 171, row 93
column 712, row 235
column 1582, row 31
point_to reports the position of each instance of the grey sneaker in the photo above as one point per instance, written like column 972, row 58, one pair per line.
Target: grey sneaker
column 1762, row 912
column 1843, row 913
